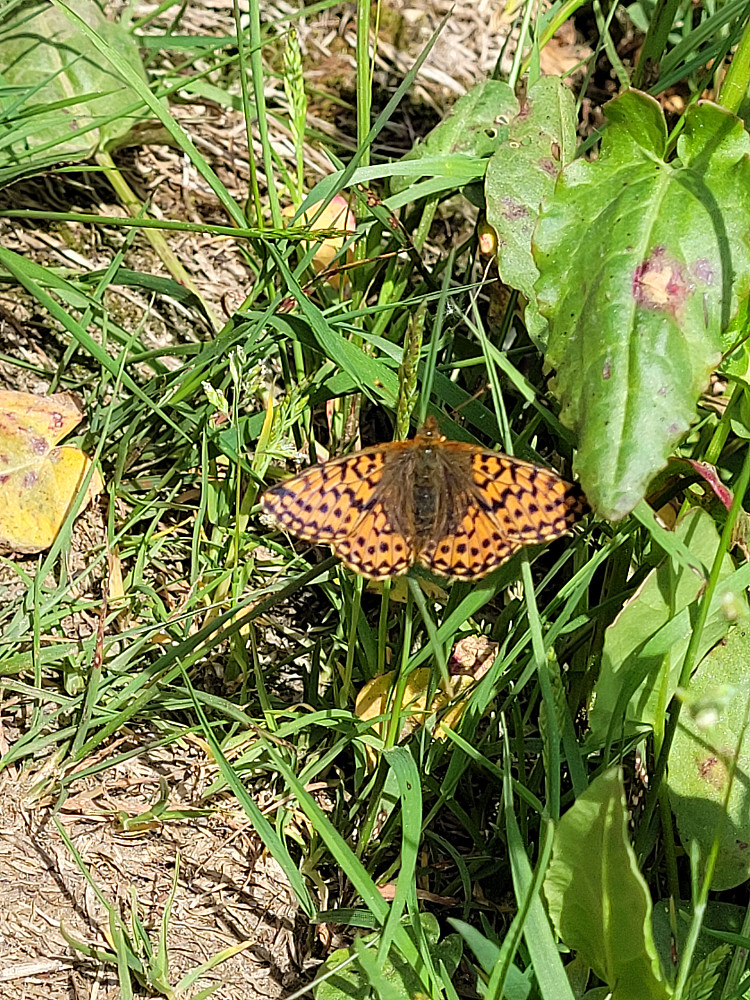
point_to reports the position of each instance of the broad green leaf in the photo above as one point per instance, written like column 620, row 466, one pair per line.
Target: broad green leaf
column 598, row 900
column 645, row 645
column 521, row 173
column 476, row 124
column 701, row 757
column 642, row 262
column 58, row 95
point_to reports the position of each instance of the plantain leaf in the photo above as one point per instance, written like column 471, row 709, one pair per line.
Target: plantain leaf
column 645, row 645
column 521, row 173
column 598, row 900
column 58, row 98
column 642, row 262
column 476, row 124
column 706, row 746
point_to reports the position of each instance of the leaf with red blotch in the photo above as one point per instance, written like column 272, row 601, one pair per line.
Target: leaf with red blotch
column 39, row 482
column 644, row 262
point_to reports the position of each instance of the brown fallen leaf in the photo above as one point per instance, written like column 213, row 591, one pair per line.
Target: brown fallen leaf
column 473, row 655
column 38, row 481
column 564, row 54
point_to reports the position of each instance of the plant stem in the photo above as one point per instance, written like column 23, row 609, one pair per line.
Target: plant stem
column 655, row 41
column 258, row 80
column 737, row 81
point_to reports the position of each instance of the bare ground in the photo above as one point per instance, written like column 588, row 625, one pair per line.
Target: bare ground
column 229, row 891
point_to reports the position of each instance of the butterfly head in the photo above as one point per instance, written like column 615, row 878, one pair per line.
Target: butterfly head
column 429, row 433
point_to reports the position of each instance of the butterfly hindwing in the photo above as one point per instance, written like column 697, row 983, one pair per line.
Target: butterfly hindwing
column 471, row 550
column 375, row 548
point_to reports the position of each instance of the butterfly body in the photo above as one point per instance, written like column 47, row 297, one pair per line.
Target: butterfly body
column 457, row 509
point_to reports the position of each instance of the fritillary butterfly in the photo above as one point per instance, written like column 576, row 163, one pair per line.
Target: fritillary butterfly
column 454, row 508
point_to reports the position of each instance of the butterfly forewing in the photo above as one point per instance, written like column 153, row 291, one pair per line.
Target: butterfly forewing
column 529, row 504
column 326, row 501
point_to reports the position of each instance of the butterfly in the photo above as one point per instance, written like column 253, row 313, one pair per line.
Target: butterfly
column 454, row 508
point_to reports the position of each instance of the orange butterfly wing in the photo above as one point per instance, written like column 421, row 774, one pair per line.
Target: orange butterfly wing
column 530, row 504
column 337, row 504
column 471, row 550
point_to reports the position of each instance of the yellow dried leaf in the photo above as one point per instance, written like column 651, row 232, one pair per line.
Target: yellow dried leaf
column 38, row 481
column 373, row 701
column 336, row 215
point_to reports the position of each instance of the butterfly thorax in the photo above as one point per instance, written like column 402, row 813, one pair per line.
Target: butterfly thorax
column 428, row 485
